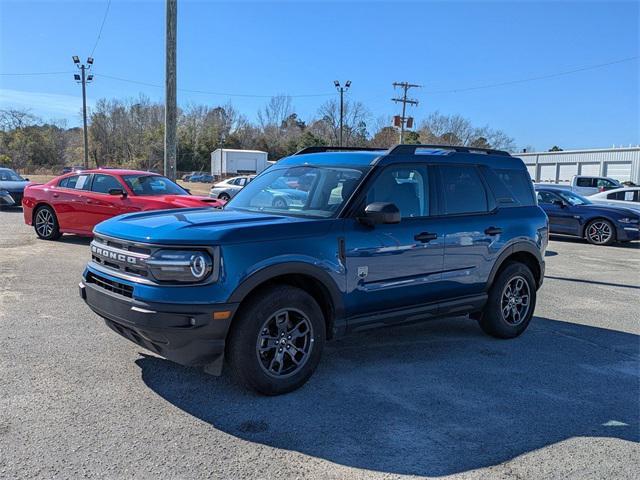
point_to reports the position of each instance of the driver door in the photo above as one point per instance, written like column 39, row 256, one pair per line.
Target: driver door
column 395, row 266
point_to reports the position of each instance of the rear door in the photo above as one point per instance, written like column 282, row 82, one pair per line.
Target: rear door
column 69, row 202
column 472, row 227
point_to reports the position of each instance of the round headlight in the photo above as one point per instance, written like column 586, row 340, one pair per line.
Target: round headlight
column 199, row 267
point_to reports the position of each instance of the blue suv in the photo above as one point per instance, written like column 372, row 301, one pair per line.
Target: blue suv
column 371, row 238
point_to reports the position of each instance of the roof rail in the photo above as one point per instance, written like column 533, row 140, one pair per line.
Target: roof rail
column 307, row 150
column 411, row 149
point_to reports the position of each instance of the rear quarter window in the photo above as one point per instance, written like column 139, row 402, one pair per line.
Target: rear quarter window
column 519, row 184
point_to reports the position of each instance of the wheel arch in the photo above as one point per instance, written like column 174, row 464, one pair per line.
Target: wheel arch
column 315, row 281
column 525, row 253
column 41, row 203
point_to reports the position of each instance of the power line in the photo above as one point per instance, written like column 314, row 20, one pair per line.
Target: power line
column 539, row 77
column 35, row 73
column 104, row 19
column 223, row 94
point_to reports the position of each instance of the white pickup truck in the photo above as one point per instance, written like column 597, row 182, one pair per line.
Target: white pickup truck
column 586, row 185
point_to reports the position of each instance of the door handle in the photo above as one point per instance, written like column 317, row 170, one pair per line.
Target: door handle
column 89, row 201
column 55, row 195
column 493, row 231
column 425, row 237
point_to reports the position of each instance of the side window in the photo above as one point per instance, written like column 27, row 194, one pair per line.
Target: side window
column 462, row 190
column 104, row 183
column 406, row 187
column 546, row 197
column 63, row 183
column 519, row 183
column 603, row 182
column 240, row 182
column 77, row 182
column 585, row 182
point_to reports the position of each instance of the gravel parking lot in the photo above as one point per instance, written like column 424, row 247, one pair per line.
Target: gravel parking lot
column 433, row 400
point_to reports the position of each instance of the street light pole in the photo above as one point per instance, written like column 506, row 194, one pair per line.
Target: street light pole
column 84, row 79
column 170, row 106
column 342, row 89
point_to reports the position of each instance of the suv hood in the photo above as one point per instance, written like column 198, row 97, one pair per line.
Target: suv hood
column 207, row 226
column 13, row 186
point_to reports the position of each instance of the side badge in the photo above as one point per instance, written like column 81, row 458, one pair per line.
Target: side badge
column 363, row 272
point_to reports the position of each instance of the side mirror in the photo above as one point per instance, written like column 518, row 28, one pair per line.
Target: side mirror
column 559, row 203
column 117, row 191
column 379, row 213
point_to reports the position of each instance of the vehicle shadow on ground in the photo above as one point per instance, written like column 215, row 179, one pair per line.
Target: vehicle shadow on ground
column 74, row 240
column 569, row 239
column 431, row 399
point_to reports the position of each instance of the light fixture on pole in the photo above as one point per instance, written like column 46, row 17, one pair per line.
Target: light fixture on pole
column 341, row 89
column 84, row 79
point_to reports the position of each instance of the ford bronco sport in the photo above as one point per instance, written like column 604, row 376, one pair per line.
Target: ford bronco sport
column 364, row 239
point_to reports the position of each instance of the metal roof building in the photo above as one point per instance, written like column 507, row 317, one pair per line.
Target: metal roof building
column 623, row 164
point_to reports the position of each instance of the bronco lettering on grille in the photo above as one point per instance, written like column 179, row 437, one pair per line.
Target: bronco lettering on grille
column 106, row 253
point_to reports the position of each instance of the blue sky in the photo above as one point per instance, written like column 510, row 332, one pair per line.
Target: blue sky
column 267, row 48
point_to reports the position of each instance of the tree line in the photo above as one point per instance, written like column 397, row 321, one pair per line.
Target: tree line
column 130, row 133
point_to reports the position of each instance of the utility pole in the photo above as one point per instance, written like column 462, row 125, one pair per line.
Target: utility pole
column 171, row 106
column 342, row 90
column 84, row 79
column 404, row 121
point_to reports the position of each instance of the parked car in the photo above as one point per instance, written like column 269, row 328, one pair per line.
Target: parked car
column 586, row 185
column 383, row 237
column 75, row 169
column 76, row 202
column 572, row 214
column 11, row 188
column 187, row 176
column 628, row 197
column 226, row 189
column 201, row 178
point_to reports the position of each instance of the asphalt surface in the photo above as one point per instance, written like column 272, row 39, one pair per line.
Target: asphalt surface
column 436, row 399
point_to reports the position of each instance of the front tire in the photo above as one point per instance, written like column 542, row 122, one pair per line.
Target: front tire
column 511, row 302
column 600, row 232
column 276, row 341
column 45, row 223
column 224, row 196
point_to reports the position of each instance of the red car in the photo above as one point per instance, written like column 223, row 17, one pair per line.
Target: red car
column 76, row 202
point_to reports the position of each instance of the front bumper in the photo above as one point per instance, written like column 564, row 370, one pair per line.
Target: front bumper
column 11, row 199
column 185, row 334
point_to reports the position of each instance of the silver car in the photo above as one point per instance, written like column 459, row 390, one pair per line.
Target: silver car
column 226, row 189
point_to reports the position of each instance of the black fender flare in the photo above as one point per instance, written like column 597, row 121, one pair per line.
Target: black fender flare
column 291, row 268
column 516, row 248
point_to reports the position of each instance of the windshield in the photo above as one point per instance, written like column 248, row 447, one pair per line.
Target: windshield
column 306, row 191
column 152, row 185
column 573, row 199
column 10, row 176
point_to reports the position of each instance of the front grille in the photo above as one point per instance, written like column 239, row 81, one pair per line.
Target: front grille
column 120, row 255
column 17, row 197
column 110, row 285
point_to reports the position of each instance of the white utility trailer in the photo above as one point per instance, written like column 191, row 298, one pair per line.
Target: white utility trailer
column 228, row 161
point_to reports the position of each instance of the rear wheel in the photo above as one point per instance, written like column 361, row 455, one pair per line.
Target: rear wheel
column 45, row 223
column 224, row 196
column 600, row 232
column 511, row 302
column 277, row 340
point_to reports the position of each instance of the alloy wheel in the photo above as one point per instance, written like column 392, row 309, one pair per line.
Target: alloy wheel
column 45, row 222
column 599, row 232
column 515, row 300
column 284, row 343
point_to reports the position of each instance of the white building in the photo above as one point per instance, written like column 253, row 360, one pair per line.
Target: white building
column 623, row 164
column 228, row 161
